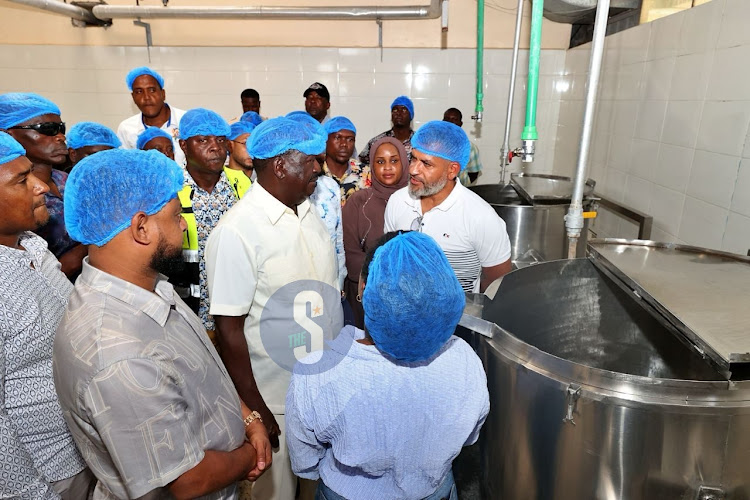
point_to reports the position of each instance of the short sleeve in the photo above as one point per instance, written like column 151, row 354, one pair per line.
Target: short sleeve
column 490, row 236
column 231, row 272
column 140, row 413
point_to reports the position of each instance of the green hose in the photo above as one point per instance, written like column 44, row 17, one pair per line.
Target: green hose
column 535, row 46
column 480, row 57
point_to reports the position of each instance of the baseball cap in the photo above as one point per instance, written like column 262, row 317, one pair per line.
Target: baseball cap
column 321, row 89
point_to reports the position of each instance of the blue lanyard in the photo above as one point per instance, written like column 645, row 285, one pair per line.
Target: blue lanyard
column 169, row 120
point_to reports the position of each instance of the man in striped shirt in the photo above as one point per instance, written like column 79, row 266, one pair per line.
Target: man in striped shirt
column 468, row 230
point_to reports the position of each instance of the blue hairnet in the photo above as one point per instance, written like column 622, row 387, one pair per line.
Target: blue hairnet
column 412, row 298
column 201, row 121
column 252, row 117
column 239, row 128
column 104, row 191
column 339, row 123
column 140, row 71
column 404, row 101
column 278, row 135
column 91, row 134
column 18, row 107
column 151, row 133
column 444, row 140
column 10, row 149
column 306, row 118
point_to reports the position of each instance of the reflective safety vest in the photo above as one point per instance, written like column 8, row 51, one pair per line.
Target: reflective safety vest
column 239, row 180
column 190, row 236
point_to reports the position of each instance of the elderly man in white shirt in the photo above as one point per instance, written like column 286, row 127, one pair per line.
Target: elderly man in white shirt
column 269, row 257
column 468, row 230
column 147, row 89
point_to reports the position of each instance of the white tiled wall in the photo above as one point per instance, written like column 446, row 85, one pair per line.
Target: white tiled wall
column 671, row 133
column 88, row 84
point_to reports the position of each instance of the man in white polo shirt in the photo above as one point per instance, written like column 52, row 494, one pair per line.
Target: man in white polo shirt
column 147, row 89
column 269, row 243
column 467, row 228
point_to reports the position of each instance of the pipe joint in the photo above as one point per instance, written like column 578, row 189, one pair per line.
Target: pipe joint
column 477, row 117
column 528, row 149
column 574, row 221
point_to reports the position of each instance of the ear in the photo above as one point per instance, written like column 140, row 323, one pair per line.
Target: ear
column 140, row 229
column 183, row 146
column 73, row 156
column 453, row 170
column 328, row 105
column 229, row 145
column 279, row 167
column 163, row 94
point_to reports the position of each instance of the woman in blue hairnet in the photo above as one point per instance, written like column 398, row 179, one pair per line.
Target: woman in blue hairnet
column 382, row 413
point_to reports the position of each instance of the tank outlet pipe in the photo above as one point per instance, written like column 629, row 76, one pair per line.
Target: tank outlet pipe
column 529, row 135
column 479, row 109
column 505, row 156
column 574, row 218
column 372, row 13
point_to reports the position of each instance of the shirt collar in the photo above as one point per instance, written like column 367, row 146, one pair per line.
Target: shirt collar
column 33, row 245
column 273, row 207
column 222, row 185
column 444, row 206
column 155, row 305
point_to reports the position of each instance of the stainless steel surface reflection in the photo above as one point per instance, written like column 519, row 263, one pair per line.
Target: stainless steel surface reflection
column 536, row 232
column 593, row 398
column 703, row 293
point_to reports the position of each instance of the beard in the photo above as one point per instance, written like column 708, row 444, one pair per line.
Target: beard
column 167, row 260
column 428, row 189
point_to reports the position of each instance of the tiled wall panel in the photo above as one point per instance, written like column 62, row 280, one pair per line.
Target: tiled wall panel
column 671, row 135
column 88, row 84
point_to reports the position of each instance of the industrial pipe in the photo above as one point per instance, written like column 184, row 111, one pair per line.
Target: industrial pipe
column 480, row 61
column 529, row 135
column 574, row 218
column 65, row 9
column 505, row 150
column 431, row 11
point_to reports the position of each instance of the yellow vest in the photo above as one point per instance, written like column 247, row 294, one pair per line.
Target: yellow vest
column 239, row 180
column 190, row 236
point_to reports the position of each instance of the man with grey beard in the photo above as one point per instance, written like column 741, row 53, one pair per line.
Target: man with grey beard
column 467, row 228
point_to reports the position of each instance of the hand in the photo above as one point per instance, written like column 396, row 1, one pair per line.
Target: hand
column 270, row 422
column 257, row 435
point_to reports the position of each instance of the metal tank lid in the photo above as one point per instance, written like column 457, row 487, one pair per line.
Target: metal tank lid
column 547, row 189
column 703, row 293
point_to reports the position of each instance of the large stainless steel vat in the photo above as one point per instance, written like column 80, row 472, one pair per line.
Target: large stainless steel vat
column 534, row 222
column 612, row 377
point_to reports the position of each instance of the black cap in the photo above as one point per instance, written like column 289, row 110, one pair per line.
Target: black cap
column 320, row 89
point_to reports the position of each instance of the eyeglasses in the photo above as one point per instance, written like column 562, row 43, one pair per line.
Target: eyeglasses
column 45, row 128
column 416, row 224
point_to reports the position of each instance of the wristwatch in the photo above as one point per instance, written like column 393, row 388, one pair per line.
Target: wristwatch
column 251, row 418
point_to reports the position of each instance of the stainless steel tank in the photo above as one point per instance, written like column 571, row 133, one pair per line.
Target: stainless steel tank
column 620, row 376
column 533, row 207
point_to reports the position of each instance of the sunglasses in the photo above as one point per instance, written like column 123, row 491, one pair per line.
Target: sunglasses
column 46, row 128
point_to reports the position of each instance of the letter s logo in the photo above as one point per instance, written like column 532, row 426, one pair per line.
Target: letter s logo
column 301, row 300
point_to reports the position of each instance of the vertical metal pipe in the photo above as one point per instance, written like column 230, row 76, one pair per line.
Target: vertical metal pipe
column 511, row 91
column 574, row 218
column 480, row 61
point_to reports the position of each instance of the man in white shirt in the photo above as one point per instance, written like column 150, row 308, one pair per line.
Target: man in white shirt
column 469, row 231
column 147, row 89
column 272, row 238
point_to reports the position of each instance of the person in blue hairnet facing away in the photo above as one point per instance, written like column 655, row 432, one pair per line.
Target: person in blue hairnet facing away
column 384, row 411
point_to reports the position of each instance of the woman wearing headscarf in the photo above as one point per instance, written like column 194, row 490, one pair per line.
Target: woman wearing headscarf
column 364, row 213
column 382, row 413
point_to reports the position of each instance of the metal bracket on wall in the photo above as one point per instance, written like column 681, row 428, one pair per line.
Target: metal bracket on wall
column 149, row 41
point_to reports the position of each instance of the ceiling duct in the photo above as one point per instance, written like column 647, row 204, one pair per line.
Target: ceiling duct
column 576, row 11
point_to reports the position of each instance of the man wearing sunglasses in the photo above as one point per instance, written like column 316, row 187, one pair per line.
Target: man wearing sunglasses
column 147, row 90
column 35, row 123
